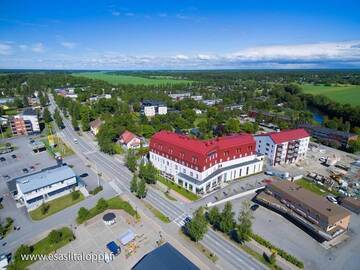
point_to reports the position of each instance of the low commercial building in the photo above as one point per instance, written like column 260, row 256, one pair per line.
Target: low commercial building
column 180, row 96
column 202, row 166
column 26, row 123
column 95, row 126
column 212, row 102
column 353, row 204
column 284, row 147
column 151, row 108
column 330, row 135
column 311, row 210
column 163, row 258
column 48, row 184
column 129, row 140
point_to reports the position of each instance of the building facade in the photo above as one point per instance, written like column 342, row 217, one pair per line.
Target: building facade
column 284, row 147
column 202, row 166
column 324, row 215
column 25, row 123
column 46, row 185
column 150, row 108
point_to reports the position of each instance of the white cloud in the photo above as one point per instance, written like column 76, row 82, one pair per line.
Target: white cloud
column 181, row 57
column 38, row 47
column 68, row 45
column 129, row 14
column 23, row 47
column 205, row 57
column 116, row 13
column 5, row 49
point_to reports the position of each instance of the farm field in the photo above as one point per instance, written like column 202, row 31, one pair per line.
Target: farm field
column 127, row 79
column 341, row 93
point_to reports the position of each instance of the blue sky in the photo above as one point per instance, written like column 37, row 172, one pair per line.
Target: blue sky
column 179, row 34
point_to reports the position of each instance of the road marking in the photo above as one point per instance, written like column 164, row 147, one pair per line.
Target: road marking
column 115, row 187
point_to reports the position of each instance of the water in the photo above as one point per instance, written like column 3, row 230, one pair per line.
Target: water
column 318, row 117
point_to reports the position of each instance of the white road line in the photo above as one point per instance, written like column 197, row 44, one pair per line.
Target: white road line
column 115, row 187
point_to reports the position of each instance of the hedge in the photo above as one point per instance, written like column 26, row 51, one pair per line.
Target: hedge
column 279, row 251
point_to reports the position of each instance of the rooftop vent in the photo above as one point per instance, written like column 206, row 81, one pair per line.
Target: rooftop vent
column 25, row 181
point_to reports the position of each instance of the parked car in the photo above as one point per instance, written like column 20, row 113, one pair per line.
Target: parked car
column 254, row 207
column 32, row 168
column 13, row 156
column 75, row 140
column 25, row 170
column 6, row 176
column 322, row 159
column 269, row 173
column 2, row 159
column 332, row 199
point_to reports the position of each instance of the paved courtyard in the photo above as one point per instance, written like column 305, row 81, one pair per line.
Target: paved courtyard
column 93, row 237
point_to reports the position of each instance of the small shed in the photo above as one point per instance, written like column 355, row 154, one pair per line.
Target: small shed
column 109, row 218
column 127, row 237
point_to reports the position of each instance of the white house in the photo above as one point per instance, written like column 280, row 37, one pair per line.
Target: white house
column 151, row 108
column 284, row 147
column 25, row 123
column 46, row 185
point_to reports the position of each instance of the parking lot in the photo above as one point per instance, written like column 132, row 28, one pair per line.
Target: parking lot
column 26, row 158
column 93, row 237
column 286, row 235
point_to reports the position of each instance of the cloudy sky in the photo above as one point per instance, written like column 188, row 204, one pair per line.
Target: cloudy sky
column 179, row 34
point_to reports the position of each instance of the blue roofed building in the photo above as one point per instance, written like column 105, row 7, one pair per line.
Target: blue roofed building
column 45, row 185
column 165, row 257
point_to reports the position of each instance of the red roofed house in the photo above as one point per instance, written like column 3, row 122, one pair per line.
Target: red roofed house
column 129, row 140
column 283, row 147
column 95, row 126
column 201, row 166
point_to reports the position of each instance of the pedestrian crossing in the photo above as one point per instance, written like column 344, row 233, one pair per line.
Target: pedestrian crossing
column 180, row 221
column 115, row 187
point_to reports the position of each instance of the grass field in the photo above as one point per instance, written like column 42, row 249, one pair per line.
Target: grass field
column 341, row 93
column 158, row 214
column 127, row 79
column 56, row 206
column 182, row 191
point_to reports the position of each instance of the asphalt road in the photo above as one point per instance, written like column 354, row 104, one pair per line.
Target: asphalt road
column 230, row 257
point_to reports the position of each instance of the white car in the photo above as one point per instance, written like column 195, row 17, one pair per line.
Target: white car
column 322, row 159
column 331, row 199
column 269, row 173
column 75, row 140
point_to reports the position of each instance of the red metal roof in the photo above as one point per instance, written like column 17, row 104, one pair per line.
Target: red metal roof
column 127, row 136
column 287, row 135
column 199, row 154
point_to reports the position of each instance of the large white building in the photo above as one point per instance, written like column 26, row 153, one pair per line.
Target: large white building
column 202, row 166
column 151, row 108
column 283, row 147
column 46, row 185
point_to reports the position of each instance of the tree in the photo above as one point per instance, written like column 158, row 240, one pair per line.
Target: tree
column 141, row 189
column 75, row 123
column 243, row 229
column 233, row 126
column 134, row 184
column 83, row 213
column 55, row 236
column 130, row 160
column 75, row 195
column 227, row 222
column 148, row 172
column 47, row 116
column 214, row 217
column 197, row 226
column 58, row 119
column 85, row 118
column 44, row 208
column 102, row 205
column 22, row 250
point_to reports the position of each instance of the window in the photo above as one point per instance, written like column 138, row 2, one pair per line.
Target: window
column 226, row 153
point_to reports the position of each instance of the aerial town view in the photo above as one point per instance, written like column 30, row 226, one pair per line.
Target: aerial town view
column 179, row 135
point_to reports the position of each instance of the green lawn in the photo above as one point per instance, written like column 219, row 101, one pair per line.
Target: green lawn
column 312, row 187
column 60, row 147
column 184, row 192
column 45, row 246
column 113, row 203
column 157, row 213
column 341, row 93
column 127, row 79
column 56, row 206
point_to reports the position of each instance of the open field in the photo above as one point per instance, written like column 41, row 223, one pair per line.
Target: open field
column 341, row 93
column 127, row 79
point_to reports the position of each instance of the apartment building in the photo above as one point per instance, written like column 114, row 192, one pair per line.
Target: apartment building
column 25, row 123
column 151, row 108
column 46, row 185
column 284, row 147
column 202, row 166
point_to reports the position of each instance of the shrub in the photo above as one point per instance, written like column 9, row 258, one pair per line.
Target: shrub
column 96, row 190
column 101, row 205
column 45, row 208
column 83, row 214
column 55, row 236
column 75, row 195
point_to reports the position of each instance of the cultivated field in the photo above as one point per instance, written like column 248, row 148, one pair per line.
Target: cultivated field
column 127, row 79
column 341, row 93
